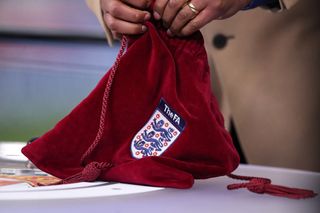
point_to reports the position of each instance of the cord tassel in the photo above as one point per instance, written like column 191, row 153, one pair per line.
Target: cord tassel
column 90, row 172
column 264, row 186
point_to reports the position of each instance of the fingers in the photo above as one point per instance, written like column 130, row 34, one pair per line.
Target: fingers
column 185, row 16
column 158, row 8
column 140, row 4
column 171, row 9
column 178, row 15
column 195, row 24
column 118, row 26
column 126, row 13
column 124, row 18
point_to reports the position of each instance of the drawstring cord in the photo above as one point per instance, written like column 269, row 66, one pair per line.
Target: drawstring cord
column 105, row 100
column 263, row 185
column 93, row 170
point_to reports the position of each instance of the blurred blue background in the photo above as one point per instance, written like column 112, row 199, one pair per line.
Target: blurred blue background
column 52, row 54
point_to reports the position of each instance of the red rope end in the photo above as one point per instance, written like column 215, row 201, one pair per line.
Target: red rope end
column 90, row 172
column 264, row 186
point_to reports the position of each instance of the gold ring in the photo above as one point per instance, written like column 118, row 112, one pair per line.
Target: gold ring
column 193, row 8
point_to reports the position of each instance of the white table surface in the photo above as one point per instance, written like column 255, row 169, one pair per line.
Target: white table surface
column 208, row 195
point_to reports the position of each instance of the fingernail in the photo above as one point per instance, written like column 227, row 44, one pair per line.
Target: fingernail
column 147, row 16
column 169, row 33
column 156, row 15
column 143, row 28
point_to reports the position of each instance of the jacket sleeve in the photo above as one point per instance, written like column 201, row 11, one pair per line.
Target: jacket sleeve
column 284, row 5
column 95, row 6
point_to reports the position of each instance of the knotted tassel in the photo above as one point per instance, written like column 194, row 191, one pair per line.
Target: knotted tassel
column 90, row 172
column 263, row 185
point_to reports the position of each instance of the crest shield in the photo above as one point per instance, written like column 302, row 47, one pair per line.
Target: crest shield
column 159, row 133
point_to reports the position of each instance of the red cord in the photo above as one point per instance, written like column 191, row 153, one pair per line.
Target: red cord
column 105, row 100
column 263, row 185
column 92, row 170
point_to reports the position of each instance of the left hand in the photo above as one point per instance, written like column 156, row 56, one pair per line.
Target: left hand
column 183, row 17
column 125, row 16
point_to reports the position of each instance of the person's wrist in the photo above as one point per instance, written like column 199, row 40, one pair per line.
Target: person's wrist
column 262, row 3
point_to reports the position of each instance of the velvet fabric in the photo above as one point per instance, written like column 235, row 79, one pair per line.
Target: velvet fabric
column 157, row 75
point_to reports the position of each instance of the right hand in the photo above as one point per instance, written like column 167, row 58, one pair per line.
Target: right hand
column 184, row 17
column 125, row 16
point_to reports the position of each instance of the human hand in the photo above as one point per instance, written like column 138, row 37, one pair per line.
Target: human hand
column 125, row 16
column 183, row 17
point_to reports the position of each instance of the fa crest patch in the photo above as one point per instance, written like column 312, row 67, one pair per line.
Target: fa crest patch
column 159, row 133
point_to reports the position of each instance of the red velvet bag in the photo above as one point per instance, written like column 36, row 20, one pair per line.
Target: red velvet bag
column 152, row 120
